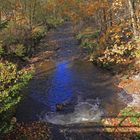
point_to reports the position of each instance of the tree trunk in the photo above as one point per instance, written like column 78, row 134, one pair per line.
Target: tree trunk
column 132, row 14
column 0, row 16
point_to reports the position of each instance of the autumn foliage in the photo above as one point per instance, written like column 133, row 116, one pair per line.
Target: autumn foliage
column 114, row 40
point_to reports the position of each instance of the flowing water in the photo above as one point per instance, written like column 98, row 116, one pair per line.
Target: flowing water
column 84, row 92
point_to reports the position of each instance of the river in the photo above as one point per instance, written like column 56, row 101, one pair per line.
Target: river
column 69, row 93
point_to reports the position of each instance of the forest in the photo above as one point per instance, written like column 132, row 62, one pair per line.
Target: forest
column 58, row 55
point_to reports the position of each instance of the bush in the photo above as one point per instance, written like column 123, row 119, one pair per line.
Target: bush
column 20, row 50
column 82, row 36
column 52, row 20
column 117, row 47
column 3, row 25
column 37, row 34
column 137, row 40
column 12, row 37
column 19, row 40
column 1, row 49
column 132, row 114
column 12, row 82
column 88, row 41
column 14, row 33
column 117, row 55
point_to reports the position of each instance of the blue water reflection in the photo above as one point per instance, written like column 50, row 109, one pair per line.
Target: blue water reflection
column 60, row 90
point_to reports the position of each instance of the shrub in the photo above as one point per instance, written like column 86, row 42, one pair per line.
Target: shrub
column 87, row 40
column 19, row 39
column 20, row 50
column 3, row 25
column 14, row 33
column 12, row 37
column 37, row 34
column 12, row 82
column 117, row 47
column 1, row 49
column 87, row 35
column 137, row 40
column 52, row 20
column 115, row 55
column 132, row 114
